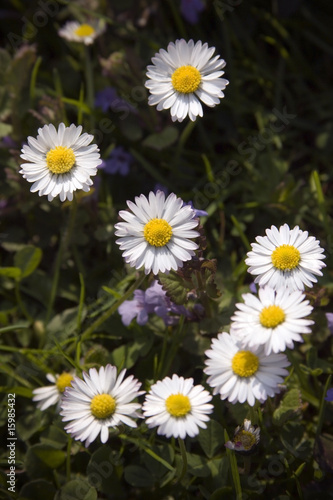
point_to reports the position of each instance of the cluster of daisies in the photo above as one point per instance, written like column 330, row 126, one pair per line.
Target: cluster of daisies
column 245, row 365
column 156, row 234
column 58, row 162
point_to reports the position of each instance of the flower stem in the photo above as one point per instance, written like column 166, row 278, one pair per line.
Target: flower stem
column 184, row 459
column 21, row 303
column 89, row 85
column 99, row 321
column 62, row 247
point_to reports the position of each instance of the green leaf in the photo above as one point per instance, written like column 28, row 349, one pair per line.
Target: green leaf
column 138, row 477
column 211, row 439
column 127, row 354
column 100, row 468
column 5, row 129
column 10, row 272
column 54, row 437
column 51, row 457
column 175, row 286
column 76, row 489
column 19, row 391
column 37, row 490
column 63, row 325
column 41, row 459
column 5, row 61
column 197, row 465
column 27, row 260
column 154, row 457
column 162, row 140
column 288, row 408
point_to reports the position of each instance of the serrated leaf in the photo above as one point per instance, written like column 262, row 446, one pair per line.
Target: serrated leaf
column 162, row 140
column 27, row 260
column 175, row 286
column 288, row 407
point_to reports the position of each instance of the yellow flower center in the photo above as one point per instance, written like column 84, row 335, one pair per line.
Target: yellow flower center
column 186, row 79
column 245, row 363
column 246, row 438
column 286, row 257
column 271, row 316
column 102, row 406
column 64, row 380
column 84, row 30
column 157, row 232
column 60, row 159
column 178, row 405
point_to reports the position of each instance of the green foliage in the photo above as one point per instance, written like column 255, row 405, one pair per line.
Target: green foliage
column 261, row 157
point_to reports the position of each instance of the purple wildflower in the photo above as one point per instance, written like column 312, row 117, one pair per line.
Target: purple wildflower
column 198, row 213
column 190, row 10
column 329, row 317
column 152, row 301
column 108, row 99
column 118, row 162
column 329, row 395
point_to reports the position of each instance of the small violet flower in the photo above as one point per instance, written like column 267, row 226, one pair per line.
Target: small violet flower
column 108, row 99
column 190, row 10
column 329, row 317
column 152, row 301
column 118, row 162
column 198, row 213
column 329, row 395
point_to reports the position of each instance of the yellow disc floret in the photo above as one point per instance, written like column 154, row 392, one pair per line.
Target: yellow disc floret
column 246, row 438
column 245, row 363
column 84, row 30
column 64, row 380
column 60, row 159
column 271, row 316
column 178, row 405
column 186, row 79
column 157, row 232
column 286, row 257
column 102, row 406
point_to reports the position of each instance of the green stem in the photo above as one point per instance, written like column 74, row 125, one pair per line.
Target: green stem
column 68, row 460
column 21, row 304
column 62, row 247
column 234, row 469
column 322, row 407
column 99, row 321
column 89, row 85
column 177, row 339
column 184, row 459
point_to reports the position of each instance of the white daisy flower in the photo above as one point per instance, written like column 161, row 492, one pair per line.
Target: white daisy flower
column 60, row 161
column 86, row 33
column 177, row 407
column 100, row 401
column 243, row 374
column 182, row 76
column 275, row 319
column 246, row 437
column 52, row 394
column 285, row 257
column 156, row 235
